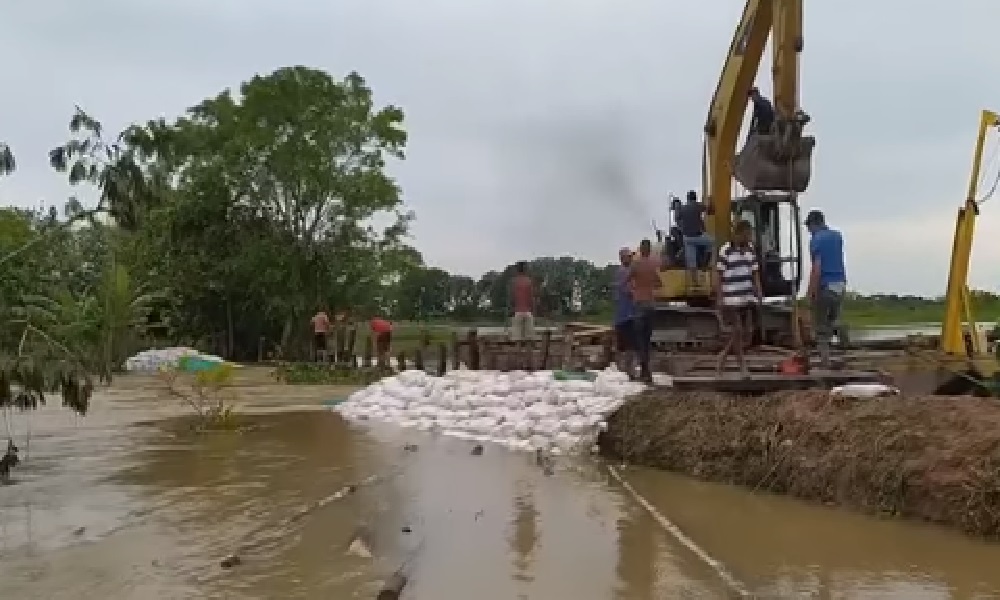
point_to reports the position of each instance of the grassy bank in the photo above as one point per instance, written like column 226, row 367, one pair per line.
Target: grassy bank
column 933, row 459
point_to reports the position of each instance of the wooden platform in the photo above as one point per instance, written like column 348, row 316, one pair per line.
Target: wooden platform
column 761, row 383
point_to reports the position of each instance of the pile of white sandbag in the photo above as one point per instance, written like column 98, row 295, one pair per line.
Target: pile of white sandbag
column 158, row 359
column 523, row 411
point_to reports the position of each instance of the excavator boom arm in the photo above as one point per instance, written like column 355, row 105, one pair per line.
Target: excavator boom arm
column 782, row 21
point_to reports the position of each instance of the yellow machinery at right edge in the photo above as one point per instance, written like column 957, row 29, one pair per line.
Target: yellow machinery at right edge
column 964, row 363
column 773, row 167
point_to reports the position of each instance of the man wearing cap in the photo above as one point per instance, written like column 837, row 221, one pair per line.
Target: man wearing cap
column 827, row 281
column 624, row 320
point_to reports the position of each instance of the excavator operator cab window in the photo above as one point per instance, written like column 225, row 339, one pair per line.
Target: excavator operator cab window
column 779, row 263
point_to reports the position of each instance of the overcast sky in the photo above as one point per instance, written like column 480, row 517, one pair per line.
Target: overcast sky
column 551, row 127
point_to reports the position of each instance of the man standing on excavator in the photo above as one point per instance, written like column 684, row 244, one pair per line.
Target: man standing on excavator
column 827, row 281
column 763, row 112
column 691, row 220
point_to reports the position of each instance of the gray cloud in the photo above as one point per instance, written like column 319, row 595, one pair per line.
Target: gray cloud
column 555, row 127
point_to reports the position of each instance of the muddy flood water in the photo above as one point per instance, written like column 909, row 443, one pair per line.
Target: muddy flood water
column 127, row 503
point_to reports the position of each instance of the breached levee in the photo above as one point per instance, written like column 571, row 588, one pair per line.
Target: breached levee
column 933, row 459
column 519, row 410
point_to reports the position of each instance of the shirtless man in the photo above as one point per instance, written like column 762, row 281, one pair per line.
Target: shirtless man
column 644, row 280
column 321, row 327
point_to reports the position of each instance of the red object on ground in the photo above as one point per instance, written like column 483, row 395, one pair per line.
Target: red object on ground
column 793, row 365
column 381, row 325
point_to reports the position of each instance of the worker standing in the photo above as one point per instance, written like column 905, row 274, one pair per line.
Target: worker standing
column 522, row 298
column 827, row 281
column 321, row 327
column 624, row 319
column 763, row 112
column 644, row 280
column 691, row 220
column 382, row 334
column 738, row 289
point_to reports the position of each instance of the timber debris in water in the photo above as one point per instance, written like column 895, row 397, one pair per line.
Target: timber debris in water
column 930, row 458
column 360, row 544
column 393, row 587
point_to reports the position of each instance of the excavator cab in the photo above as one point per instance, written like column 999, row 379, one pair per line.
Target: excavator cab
column 779, row 160
column 778, row 239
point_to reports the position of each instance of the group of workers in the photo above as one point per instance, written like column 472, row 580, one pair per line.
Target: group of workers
column 736, row 285
column 381, row 331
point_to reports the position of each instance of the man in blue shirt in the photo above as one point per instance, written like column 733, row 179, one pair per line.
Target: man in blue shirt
column 624, row 320
column 827, row 281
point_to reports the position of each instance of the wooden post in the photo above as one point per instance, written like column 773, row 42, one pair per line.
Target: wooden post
column 352, row 335
column 546, row 345
column 367, row 358
column 491, row 358
column 418, row 359
column 608, row 350
column 401, row 361
column 568, row 351
column 473, row 341
column 456, row 359
column 442, row 359
column 260, row 349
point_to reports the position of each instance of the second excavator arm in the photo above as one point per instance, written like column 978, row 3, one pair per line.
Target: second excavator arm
column 957, row 308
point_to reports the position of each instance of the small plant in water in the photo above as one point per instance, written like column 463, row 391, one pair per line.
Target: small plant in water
column 208, row 392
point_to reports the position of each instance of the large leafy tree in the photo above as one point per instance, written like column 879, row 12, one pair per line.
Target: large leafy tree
column 279, row 202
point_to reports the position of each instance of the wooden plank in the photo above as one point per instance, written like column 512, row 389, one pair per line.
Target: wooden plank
column 772, row 382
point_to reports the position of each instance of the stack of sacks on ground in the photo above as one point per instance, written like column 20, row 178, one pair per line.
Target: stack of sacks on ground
column 158, row 359
column 523, row 411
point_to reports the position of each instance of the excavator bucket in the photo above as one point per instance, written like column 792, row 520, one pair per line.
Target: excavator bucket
column 769, row 163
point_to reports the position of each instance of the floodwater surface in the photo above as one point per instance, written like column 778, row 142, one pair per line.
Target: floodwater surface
column 128, row 503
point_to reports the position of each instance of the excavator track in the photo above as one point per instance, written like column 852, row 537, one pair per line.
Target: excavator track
column 679, row 328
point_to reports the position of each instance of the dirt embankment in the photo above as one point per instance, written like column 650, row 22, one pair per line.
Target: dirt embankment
column 934, row 459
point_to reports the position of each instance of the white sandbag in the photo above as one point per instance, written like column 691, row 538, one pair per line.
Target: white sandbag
column 864, row 390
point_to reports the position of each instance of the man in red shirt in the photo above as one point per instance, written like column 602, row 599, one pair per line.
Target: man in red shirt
column 382, row 333
column 522, row 298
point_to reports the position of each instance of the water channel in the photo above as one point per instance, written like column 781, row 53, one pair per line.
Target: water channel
column 127, row 503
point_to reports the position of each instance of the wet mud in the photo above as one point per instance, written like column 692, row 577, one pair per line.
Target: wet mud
column 934, row 459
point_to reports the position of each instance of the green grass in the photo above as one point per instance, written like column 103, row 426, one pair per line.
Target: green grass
column 867, row 315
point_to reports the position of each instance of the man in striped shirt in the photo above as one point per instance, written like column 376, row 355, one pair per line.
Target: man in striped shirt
column 738, row 291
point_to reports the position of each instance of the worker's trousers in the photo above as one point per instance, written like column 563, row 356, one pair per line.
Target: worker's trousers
column 826, row 317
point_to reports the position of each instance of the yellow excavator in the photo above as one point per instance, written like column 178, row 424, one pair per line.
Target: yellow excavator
column 772, row 169
column 962, row 362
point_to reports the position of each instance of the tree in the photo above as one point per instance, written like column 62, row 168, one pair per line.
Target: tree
column 274, row 204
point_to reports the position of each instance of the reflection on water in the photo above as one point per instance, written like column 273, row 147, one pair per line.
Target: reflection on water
column 108, row 508
column 525, row 534
column 789, row 549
